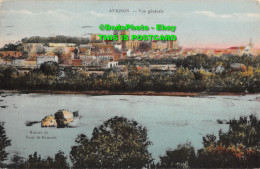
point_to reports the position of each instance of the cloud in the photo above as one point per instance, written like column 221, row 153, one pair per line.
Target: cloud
column 21, row 12
column 48, row 12
column 86, row 26
column 9, row 26
column 225, row 16
column 213, row 14
column 59, row 12
column 98, row 14
column 253, row 15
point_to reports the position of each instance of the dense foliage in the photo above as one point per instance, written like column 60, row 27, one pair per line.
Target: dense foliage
column 56, row 39
column 4, row 142
column 239, row 147
column 12, row 47
column 182, row 157
column 123, row 143
column 118, row 143
column 195, row 74
column 50, row 68
column 36, row 161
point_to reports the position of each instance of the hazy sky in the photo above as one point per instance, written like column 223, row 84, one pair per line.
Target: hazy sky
column 200, row 23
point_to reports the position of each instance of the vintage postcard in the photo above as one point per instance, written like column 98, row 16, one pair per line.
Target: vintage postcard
column 129, row 84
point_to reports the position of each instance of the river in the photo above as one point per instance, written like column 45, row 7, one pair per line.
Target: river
column 169, row 120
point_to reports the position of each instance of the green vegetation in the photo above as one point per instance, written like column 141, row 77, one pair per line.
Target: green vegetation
column 196, row 73
column 12, row 47
column 4, row 142
column 50, row 68
column 36, row 161
column 123, row 143
column 182, row 157
column 56, row 39
column 239, row 147
column 117, row 143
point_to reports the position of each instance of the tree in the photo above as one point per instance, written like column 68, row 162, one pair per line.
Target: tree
column 238, row 147
column 50, row 68
column 16, row 161
column 182, row 157
column 183, row 79
column 209, row 140
column 8, row 77
column 56, row 39
column 12, row 47
column 36, row 161
column 60, row 161
column 117, row 143
column 59, row 51
column 196, row 61
column 243, row 131
column 4, row 142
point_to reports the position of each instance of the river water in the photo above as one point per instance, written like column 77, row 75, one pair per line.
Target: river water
column 169, row 120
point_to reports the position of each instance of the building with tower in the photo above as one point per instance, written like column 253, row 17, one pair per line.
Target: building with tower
column 251, row 45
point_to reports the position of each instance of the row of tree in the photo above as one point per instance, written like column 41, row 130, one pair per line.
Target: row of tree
column 199, row 61
column 123, row 143
column 51, row 77
column 56, row 39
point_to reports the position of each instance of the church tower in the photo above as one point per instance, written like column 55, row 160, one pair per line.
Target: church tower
column 251, row 44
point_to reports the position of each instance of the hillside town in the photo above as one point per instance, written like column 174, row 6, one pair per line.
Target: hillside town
column 100, row 55
column 73, row 63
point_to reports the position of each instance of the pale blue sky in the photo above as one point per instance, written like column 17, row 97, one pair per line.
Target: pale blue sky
column 200, row 23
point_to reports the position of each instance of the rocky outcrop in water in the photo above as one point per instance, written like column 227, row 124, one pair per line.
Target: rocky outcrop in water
column 49, row 121
column 61, row 118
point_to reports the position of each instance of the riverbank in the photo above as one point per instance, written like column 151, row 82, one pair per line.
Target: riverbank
column 137, row 93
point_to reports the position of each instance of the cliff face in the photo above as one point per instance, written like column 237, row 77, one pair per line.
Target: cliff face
column 60, row 119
